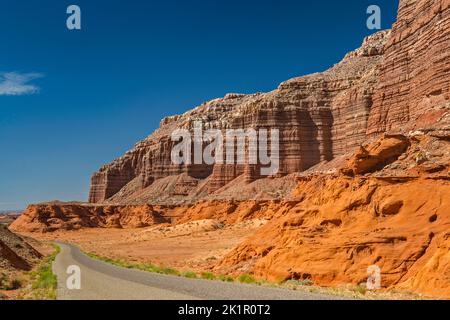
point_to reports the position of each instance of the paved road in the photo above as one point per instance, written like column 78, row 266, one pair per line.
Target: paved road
column 103, row 281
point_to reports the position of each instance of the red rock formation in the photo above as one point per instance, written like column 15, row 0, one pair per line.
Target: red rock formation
column 344, row 225
column 335, row 226
column 319, row 116
column 397, row 81
column 378, row 156
column 50, row 217
column 414, row 81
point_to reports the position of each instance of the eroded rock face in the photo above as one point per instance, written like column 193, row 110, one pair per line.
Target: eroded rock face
column 393, row 214
column 15, row 252
column 344, row 225
column 414, row 80
column 48, row 217
column 377, row 155
column 318, row 116
column 396, row 82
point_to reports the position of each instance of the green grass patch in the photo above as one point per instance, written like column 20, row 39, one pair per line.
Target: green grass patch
column 247, row 278
column 189, row 274
column 149, row 267
column 208, row 276
column 44, row 282
column 170, row 271
column 360, row 289
column 225, row 278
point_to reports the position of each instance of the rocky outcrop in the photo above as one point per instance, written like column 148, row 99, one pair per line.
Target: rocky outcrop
column 339, row 226
column 319, row 116
column 414, row 82
column 335, row 226
column 377, row 156
column 15, row 253
column 432, row 274
column 48, row 217
column 398, row 81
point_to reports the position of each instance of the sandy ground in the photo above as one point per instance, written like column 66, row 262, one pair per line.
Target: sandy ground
column 191, row 246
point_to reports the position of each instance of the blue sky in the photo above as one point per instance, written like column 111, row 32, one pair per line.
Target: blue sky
column 71, row 101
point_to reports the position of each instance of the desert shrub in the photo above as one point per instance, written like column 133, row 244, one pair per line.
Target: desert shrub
column 44, row 277
column 3, row 281
column 170, row 271
column 43, row 281
column 189, row 274
column 15, row 284
column 246, row 278
column 7, row 283
column 208, row 276
column 360, row 289
column 225, row 278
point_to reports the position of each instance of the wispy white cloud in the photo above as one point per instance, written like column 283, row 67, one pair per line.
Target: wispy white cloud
column 17, row 84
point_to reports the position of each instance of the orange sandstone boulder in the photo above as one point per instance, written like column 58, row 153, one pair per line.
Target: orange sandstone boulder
column 377, row 155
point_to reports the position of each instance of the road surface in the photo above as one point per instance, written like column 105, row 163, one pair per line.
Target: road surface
column 103, row 281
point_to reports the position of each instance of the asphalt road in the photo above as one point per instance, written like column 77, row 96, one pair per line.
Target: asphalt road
column 103, row 281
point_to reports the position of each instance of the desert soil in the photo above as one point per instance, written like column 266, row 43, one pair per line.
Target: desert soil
column 195, row 246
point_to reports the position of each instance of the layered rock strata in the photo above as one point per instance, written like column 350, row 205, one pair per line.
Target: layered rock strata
column 396, row 82
column 318, row 117
column 49, row 217
column 414, row 81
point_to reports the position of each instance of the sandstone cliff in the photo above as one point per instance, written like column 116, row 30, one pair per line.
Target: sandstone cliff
column 414, row 80
column 319, row 117
column 397, row 81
